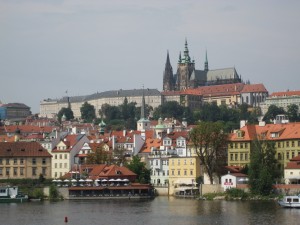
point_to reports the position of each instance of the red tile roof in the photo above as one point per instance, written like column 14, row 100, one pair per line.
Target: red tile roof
column 285, row 93
column 285, row 131
column 22, row 149
column 28, row 129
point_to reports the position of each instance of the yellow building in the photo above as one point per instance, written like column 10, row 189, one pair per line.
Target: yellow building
column 286, row 138
column 183, row 172
column 20, row 160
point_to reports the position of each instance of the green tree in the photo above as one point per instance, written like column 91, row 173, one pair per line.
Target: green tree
column 170, row 109
column 67, row 112
column 110, row 112
column 272, row 112
column 209, row 141
column 263, row 167
column 139, row 168
column 292, row 112
column 87, row 112
column 99, row 156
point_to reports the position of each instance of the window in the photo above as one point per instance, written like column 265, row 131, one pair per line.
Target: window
column 293, row 144
column 55, row 174
column 173, row 172
column 60, row 156
column 44, row 161
column 21, row 161
column 156, row 162
column 246, row 156
column 287, row 155
column 184, row 162
column 33, row 161
column 44, row 170
column 55, row 157
column 191, row 162
column 235, row 145
column 242, row 156
column 278, row 144
column 66, row 156
column 172, row 162
column 279, row 156
column 235, row 156
column 178, row 172
column 15, row 171
column 178, row 162
column 55, row 165
column 66, row 165
column 168, row 173
column 242, row 145
column 298, row 143
column 7, row 161
column 231, row 157
column 287, row 144
column 191, row 172
column 33, row 171
column 7, row 171
column 21, row 171
column 15, row 161
column 291, row 173
column 60, row 165
column 185, row 173
column 1, row 172
column 0, row 161
column 293, row 154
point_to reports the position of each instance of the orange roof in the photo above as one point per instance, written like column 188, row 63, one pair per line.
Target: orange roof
column 5, row 138
column 293, row 165
column 285, row 93
column 284, row 131
column 149, row 143
column 248, row 88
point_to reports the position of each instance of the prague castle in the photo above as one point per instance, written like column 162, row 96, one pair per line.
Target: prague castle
column 188, row 77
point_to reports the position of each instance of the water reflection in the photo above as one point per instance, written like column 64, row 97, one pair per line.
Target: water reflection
column 162, row 210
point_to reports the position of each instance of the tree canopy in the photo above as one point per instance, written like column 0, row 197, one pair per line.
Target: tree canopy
column 209, row 141
column 87, row 112
column 139, row 168
column 67, row 112
column 263, row 168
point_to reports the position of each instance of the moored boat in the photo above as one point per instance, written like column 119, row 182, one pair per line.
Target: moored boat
column 11, row 194
column 290, row 201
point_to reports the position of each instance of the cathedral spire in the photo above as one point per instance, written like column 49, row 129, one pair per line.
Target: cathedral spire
column 168, row 64
column 206, row 62
column 143, row 104
column 186, row 52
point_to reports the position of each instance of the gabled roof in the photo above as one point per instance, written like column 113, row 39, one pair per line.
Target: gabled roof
column 28, row 129
column 250, row 88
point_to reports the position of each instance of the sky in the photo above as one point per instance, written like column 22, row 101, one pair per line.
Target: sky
column 50, row 49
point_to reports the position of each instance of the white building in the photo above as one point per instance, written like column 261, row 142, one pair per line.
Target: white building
column 231, row 180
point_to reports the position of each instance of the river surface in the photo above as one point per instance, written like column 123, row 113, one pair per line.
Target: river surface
column 161, row 210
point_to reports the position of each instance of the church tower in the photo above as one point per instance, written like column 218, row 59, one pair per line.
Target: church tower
column 168, row 82
column 206, row 63
column 185, row 68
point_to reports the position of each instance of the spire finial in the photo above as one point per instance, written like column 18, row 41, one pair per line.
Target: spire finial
column 206, row 62
column 143, row 105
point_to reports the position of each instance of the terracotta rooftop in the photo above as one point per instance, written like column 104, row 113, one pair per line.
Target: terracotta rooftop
column 22, row 149
column 285, row 93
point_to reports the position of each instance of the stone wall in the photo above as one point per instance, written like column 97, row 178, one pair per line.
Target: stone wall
column 210, row 188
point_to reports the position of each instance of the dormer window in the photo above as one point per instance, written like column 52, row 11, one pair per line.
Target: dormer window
column 274, row 134
column 240, row 134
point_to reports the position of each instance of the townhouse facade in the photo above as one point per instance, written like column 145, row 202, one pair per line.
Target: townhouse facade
column 183, row 171
column 21, row 160
column 285, row 137
column 64, row 154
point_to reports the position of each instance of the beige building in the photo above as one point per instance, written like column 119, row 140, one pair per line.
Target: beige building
column 20, row 160
column 183, row 172
column 50, row 107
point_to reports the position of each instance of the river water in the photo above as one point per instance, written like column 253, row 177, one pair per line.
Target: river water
column 161, row 210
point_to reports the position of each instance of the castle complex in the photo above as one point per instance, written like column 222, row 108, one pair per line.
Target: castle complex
column 188, row 77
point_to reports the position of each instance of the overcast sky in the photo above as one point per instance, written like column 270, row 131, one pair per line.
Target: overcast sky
column 87, row 46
